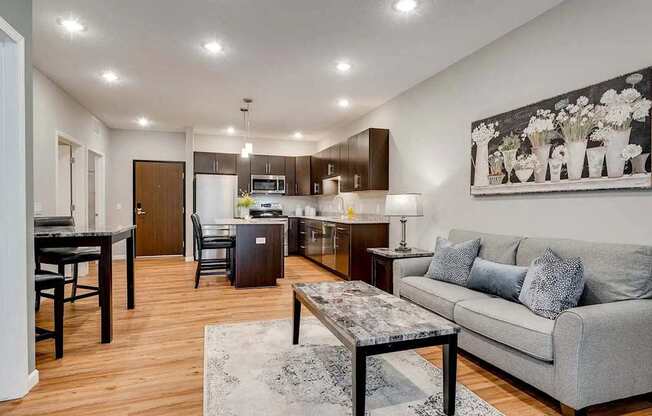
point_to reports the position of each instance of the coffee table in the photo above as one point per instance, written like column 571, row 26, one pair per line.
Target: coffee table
column 369, row 321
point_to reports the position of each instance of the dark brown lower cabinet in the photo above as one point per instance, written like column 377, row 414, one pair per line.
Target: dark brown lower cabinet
column 293, row 236
column 342, row 249
column 301, row 238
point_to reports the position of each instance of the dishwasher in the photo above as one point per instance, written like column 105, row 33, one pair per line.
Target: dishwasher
column 328, row 257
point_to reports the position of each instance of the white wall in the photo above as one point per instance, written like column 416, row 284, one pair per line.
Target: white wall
column 57, row 113
column 579, row 43
column 233, row 144
column 127, row 146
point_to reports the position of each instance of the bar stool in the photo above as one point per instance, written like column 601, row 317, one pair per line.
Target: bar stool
column 212, row 266
column 64, row 256
column 42, row 281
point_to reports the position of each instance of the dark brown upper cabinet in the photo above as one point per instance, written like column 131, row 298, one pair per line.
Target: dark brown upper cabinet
column 267, row 165
column 368, row 161
column 291, row 187
column 332, row 161
column 303, row 178
column 317, row 172
column 215, row 163
column 244, row 174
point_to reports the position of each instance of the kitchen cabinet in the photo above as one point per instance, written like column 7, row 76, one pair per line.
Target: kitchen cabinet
column 302, row 175
column 301, row 238
column 332, row 161
column 368, row 161
column 316, row 173
column 314, row 241
column 215, row 163
column 267, row 165
column 342, row 248
column 293, row 236
column 291, row 187
column 244, row 174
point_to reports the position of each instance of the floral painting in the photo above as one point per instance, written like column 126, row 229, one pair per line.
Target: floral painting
column 594, row 138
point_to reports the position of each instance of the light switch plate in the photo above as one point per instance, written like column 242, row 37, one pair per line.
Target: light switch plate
column 261, row 240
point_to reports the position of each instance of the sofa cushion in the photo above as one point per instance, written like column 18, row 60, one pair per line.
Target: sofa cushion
column 452, row 262
column 503, row 280
column 612, row 272
column 439, row 297
column 509, row 323
column 493, row 247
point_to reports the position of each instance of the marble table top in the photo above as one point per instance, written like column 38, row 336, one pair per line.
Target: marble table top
column 81, row 231
column 365, row 315
column 390, row 253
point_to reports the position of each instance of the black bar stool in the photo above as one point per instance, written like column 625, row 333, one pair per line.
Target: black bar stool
column 212, row 266
column 64, row 256
column 43, row 281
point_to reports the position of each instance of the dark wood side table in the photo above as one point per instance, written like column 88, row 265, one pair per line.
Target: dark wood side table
column 382, row 265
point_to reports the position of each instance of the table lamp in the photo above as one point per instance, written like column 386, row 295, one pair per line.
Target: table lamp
column 403, row 206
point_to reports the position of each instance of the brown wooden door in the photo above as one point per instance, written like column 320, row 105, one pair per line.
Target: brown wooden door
column 225, row 163
column 303, row 175
column 158, row 208
column 276, row 165
column 259, row 164
column 290, row 176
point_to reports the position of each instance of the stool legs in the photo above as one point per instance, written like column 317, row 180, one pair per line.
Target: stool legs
column 75, row 276
column 58, row 320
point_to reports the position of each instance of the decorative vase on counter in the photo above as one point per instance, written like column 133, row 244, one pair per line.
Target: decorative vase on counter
column 542, row 153
column 639, row 162
column 509, row 157
column 555, row 169
column 575, row 164
column 481, row 164
column 595, row 156
column 615, row 146
column 244, row 213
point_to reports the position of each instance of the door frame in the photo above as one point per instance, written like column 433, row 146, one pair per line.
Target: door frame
column 133, row 197
column 78, row 174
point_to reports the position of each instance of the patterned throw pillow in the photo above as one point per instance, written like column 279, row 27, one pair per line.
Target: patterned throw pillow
column 452, row 262
column 552, row 284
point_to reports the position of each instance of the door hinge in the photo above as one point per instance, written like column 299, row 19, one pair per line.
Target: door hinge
column 72, row 207
column 183, row 210
column 183, row 175
column 72, row 160
column 183, row 244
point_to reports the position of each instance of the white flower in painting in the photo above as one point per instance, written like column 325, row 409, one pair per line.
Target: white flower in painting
column 484, row 132
column 526, row 162
column 631, row 151
column 630, row 95
column 609, row 97
column 582, row 101
column 560, row 153
column 621, row 109
column 641, row 109
column 578, row 120
column 618, row 114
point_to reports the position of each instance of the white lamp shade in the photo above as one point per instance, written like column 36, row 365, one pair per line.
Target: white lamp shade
column 403, row 205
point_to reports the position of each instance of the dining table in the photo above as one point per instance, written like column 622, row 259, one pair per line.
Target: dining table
column 103, row 237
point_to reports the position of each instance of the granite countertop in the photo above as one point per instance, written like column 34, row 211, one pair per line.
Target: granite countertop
column 80, row 231
column 366, row 315
column 340, row 220
column 241, row 221
column 390, row 253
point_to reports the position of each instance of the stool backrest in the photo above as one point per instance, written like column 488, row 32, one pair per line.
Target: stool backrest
column 54, row 221
column 196, row 226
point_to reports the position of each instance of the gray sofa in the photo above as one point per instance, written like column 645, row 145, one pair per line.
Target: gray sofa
column 597, row 352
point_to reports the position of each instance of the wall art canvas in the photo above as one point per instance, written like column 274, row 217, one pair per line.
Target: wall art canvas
column 594, row 138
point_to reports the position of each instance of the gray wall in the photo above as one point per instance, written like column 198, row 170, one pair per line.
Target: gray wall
column 576, row 44
column 18, row 13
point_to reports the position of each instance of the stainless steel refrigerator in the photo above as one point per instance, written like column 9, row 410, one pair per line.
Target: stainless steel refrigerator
column 215, row 198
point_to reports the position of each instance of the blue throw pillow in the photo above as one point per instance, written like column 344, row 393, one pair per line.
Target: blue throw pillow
column 504, row 280
column 452, row 262
column 553, row 284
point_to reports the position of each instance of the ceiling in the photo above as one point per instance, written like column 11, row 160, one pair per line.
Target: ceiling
column 281, row 53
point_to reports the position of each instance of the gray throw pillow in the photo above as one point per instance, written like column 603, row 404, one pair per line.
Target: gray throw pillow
column 552, row 284
column 498, row 279
column 452, row 262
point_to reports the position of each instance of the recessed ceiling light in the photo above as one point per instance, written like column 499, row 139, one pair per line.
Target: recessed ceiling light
column 298, row 135
column 343, row 66
column 230, row 130
column 72, row 25
column 405, row 6
column 343, row 102
column 143, row 122
column 213, row 47
column 109, row 76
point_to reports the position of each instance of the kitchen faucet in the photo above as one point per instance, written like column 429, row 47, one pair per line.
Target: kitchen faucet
column 340, row 205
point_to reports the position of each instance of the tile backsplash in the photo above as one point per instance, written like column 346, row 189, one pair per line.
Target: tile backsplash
column 369, row 204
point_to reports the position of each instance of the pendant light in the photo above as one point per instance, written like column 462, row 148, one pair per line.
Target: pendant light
column 246, row 120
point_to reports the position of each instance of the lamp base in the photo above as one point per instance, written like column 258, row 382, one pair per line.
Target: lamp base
column 402, row 249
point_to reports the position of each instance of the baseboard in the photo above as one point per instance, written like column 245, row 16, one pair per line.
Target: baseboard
column 190, row 258
column 30, row 382
column 119, row 256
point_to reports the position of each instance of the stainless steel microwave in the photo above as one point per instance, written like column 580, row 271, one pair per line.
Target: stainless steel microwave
column 267, row 184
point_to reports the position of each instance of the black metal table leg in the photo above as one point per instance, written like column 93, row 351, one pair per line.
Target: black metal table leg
column 131, row 296
column 359, row 373
column 105, row 277
column 58, row 320
column 296, row 320
column 450, row 374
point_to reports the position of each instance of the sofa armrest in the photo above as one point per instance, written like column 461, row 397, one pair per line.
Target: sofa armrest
column 417, row 266
column 603, row 352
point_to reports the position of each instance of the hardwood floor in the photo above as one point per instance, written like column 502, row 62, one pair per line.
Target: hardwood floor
column 154, row 365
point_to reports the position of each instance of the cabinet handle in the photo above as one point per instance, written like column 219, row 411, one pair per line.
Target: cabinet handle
column 302, row 247
column 217, row 166
column 356, row 181
column 296, row 188
column 341, row 229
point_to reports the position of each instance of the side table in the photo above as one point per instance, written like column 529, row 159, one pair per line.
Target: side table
column 382, row 265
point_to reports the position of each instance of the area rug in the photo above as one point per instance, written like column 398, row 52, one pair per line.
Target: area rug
column 253, row 369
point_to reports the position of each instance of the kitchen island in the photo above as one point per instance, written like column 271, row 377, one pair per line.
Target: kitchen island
column 259, row 251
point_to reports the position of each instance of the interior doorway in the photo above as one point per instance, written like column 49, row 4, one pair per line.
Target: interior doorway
column 159, row 207
column 65, row 161
column 95, row 189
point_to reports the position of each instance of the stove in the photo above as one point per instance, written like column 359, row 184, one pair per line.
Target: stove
column 272, row 211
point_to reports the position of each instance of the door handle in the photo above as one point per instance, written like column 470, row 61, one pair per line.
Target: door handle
column 140, row 211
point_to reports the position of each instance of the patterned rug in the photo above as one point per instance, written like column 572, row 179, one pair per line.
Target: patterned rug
column 253, row 369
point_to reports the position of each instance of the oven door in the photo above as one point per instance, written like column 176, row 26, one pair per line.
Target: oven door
column 267, row 184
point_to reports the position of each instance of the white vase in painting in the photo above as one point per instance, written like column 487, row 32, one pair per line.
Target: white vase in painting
column 555, row 169
column 575, row 164
column 524, row 175
column 481, row 164
column 542, row 153
column 638, row 163
column 509, row 157
column 595, row 156
column 616, row 142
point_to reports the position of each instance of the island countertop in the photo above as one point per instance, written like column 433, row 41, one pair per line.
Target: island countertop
column 242, row 221
column 341, row 220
